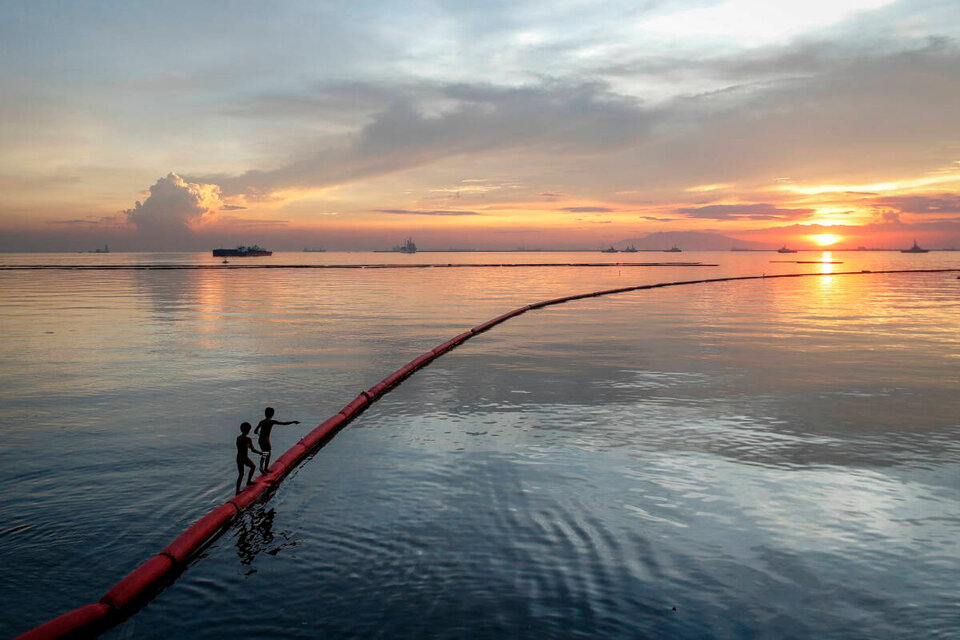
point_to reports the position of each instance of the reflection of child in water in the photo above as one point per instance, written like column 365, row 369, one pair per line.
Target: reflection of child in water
column 263, row 429
column 244, row 444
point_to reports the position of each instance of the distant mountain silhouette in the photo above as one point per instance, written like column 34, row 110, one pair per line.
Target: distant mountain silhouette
column 689, row 241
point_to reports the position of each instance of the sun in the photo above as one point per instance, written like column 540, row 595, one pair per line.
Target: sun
column 826, row 239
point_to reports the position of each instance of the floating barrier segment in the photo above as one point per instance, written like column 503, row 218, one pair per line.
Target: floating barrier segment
column 147, row 580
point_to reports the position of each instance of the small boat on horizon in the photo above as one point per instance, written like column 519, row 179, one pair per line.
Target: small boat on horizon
column 784, row 249
column 630, row 249
column 255, row 251
column 674, row 249
column 915, row 249
column 610, row 250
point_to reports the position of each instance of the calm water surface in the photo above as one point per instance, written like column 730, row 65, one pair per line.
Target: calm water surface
column 767, row 459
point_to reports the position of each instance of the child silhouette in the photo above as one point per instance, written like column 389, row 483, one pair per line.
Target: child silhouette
column 263, row 429
column 244, row 444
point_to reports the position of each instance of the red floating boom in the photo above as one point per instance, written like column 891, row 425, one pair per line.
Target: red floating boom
column 85, row 622
column 202, row 531
column 141, row 583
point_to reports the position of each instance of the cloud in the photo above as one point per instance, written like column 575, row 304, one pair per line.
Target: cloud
column 173, row 208
column 881, row 109
column 749, row 114
column 420, row 124
column 231, row 207
column 887, row 216
column 759, row 211
column 92, row 220
column 409, row 212
column 920, row 204
column 251, row 222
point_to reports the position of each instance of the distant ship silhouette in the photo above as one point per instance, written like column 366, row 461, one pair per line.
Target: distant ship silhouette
column 408, row 247
column 915, row 249
column 255, row 251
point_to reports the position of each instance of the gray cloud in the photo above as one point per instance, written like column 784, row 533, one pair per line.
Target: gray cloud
column 409, row 212
column 759, row 211
column 422, row 124
column 941, row 203
column 861, row 104
column 878, row 110
column 251, row 222
column 231, row 207
column 887, row 216
column 587, row 209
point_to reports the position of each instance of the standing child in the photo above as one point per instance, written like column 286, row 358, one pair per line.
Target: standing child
column 244, row 444
column 264, row 428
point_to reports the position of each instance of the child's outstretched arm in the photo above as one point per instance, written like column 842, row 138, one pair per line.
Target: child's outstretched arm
column 289, row 422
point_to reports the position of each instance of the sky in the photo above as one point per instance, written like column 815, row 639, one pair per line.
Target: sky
column 566, row 124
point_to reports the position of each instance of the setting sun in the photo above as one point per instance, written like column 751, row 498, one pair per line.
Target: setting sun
column 826, row 239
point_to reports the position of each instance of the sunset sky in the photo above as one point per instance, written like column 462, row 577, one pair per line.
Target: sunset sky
column 568, row 124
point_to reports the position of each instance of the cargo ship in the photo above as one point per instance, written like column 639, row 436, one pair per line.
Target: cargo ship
column 255, row 251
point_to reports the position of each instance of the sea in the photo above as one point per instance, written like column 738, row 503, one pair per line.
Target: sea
column 771, row 458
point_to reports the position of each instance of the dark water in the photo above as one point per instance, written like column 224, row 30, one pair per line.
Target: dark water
column 772, row 458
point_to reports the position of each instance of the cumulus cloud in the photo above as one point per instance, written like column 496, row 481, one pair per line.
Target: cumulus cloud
column 174, row 208
column 760, row 211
